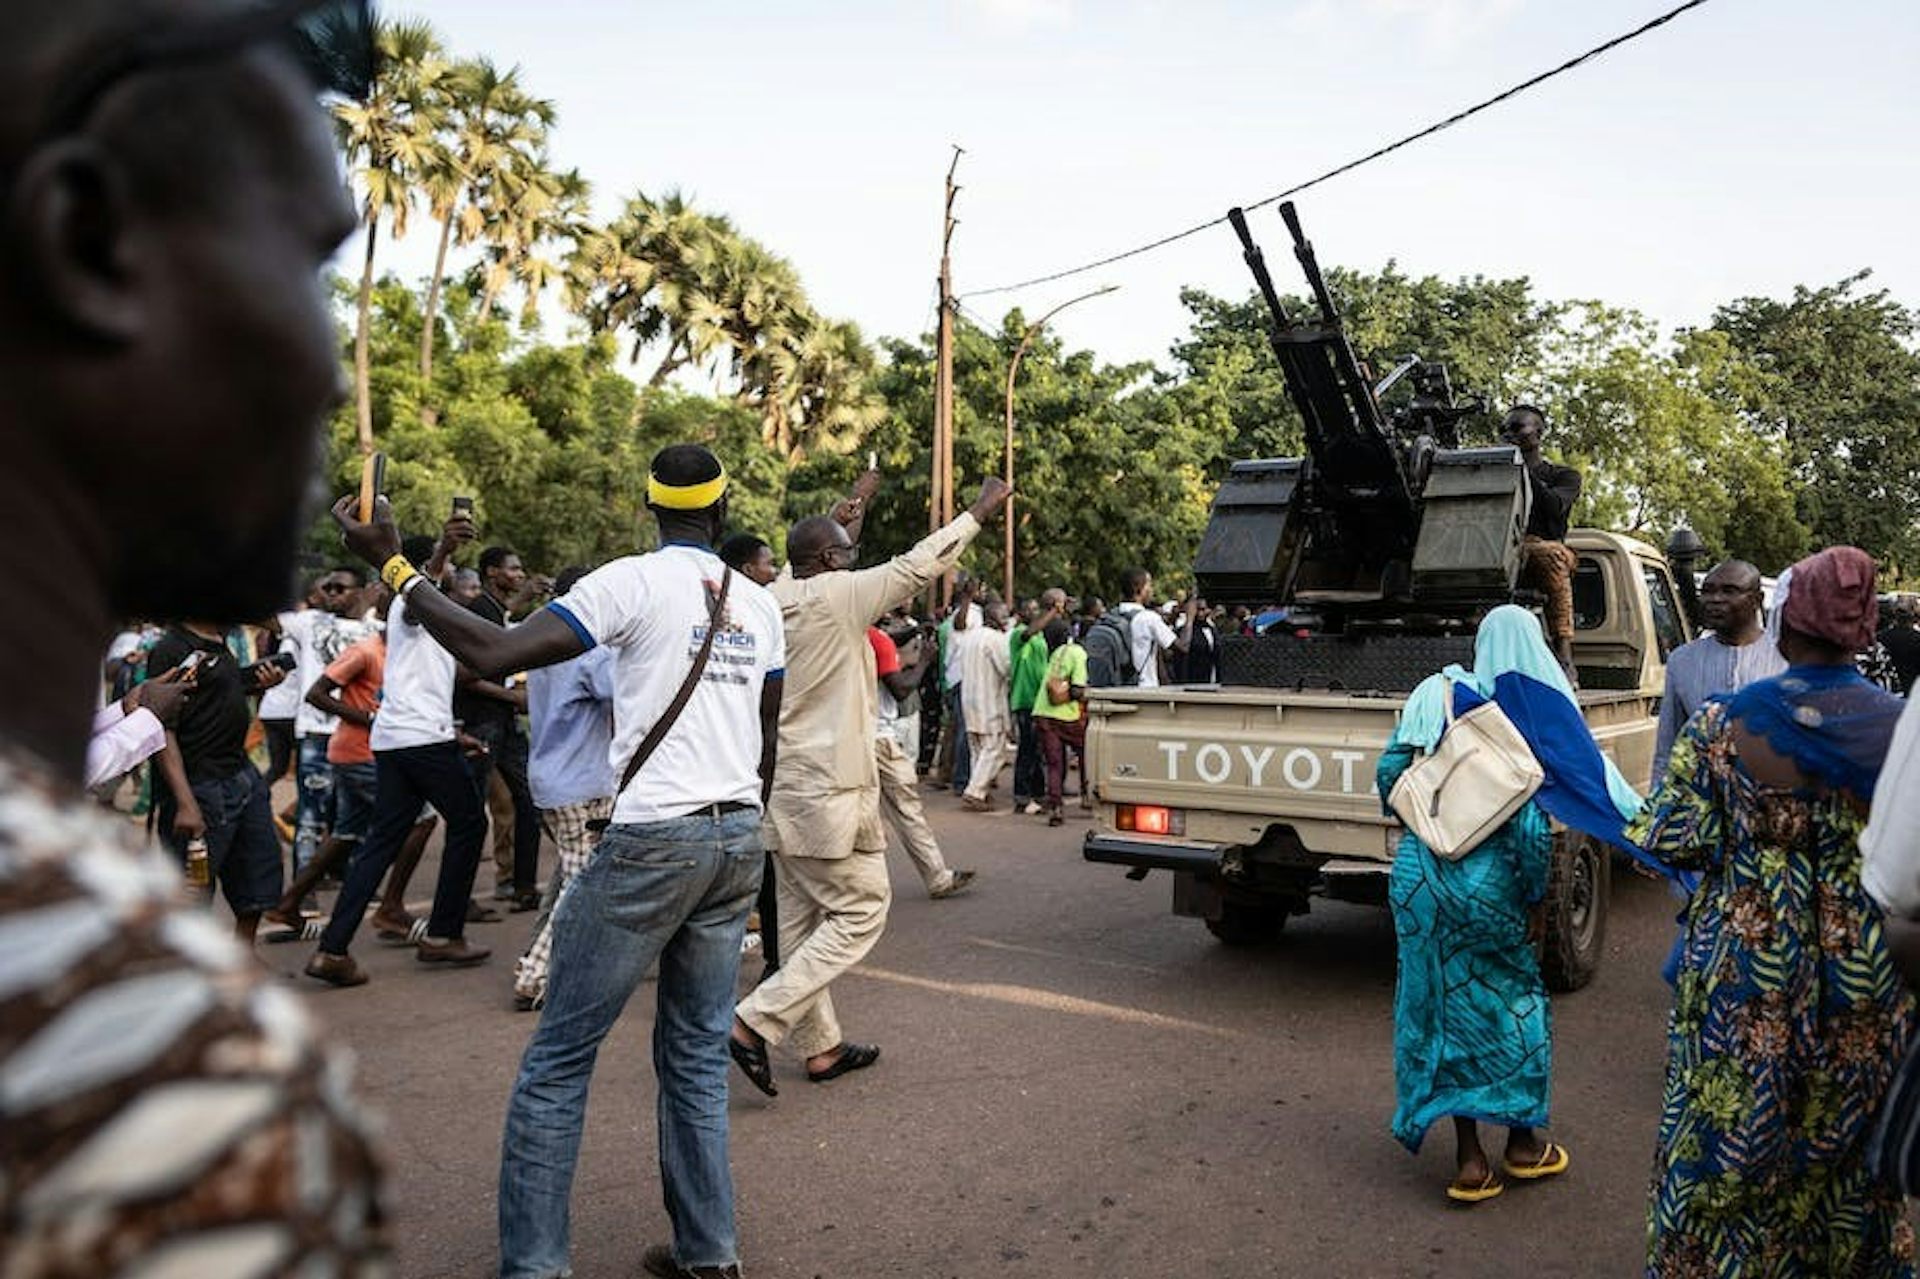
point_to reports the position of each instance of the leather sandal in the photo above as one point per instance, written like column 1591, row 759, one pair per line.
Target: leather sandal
column 852, row 1057
column 752, row 1060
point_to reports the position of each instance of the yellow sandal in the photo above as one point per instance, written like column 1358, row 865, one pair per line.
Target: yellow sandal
column 1552, row 1162
column 1472, row 1193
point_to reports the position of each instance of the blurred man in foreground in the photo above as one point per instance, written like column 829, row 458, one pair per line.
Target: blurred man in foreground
column 170, row 195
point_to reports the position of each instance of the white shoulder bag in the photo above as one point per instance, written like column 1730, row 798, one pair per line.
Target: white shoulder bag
column 1479, row 775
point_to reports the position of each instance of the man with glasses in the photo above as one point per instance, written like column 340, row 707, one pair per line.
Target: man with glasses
column 168, row 197
column 319, row 634
column 827, row 835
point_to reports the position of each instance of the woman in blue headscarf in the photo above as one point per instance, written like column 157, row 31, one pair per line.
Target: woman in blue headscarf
column 1788, row 1016
column 1470, row 1010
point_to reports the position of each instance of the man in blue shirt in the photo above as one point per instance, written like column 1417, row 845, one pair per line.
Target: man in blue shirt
column 570, row 772
column 1734, row 653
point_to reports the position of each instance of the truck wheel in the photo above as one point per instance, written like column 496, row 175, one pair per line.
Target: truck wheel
column 1246, row 924
column 1576, row 924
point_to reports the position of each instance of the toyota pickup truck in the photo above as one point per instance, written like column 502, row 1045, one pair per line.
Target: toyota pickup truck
column 1257, row 799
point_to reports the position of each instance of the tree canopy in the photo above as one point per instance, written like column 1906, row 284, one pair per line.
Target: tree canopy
column 1777, row 426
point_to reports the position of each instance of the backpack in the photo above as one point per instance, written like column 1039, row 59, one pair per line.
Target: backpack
column 1109, row 645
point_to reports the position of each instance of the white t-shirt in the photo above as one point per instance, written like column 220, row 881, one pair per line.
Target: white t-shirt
column 1151, row 637
column 282, row 701
column 652, row 610
column 318, row 638
column 416, row 699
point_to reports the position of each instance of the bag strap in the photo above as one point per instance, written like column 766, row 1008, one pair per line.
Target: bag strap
column 716, row 607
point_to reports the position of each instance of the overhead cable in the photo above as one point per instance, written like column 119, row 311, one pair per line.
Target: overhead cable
column 1351, row 165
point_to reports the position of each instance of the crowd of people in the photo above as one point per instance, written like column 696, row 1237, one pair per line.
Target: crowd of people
column 701, row 713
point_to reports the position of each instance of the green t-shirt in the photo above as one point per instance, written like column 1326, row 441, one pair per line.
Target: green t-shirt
column 1029, row 653
column 1069, row 661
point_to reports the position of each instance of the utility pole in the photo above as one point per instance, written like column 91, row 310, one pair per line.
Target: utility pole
column 1006, row 456
column 940, row 496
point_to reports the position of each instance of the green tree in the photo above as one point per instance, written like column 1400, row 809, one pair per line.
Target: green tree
column 1839, row 384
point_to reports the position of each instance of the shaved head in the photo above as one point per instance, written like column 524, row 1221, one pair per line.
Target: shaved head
column 1730, row 601
column 811, row 539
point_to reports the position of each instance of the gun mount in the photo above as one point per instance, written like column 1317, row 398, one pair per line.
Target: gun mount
column 1387, row 517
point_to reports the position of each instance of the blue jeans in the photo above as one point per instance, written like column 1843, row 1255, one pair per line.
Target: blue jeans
column 243, row 850
column 677, row 891
column 313, row 777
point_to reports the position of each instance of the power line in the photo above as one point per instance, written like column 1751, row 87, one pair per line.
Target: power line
column 1351, row 165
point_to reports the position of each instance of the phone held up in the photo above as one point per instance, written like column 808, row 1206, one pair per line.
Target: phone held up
column 462, row 506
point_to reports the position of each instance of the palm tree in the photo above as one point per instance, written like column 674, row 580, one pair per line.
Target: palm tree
column 552, row 208
column 389, row 139
column 495, row 135
column 654, row 272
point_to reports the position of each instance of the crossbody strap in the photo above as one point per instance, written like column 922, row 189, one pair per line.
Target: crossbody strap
column 716, row 608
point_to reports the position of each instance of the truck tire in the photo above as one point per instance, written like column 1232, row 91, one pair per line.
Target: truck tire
column 1247, row 923
column 1578, row 883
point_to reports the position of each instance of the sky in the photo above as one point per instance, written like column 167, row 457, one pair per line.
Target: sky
column 1744, row 148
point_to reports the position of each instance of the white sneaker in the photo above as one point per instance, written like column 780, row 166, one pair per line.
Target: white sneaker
column 1033, row 808
column 749, row 943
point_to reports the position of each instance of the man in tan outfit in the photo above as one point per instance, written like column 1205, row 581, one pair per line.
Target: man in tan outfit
column 823, row 818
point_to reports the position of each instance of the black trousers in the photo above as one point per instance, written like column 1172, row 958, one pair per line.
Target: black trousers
column 1029, row 773
column 404, row 780
column 507, row 752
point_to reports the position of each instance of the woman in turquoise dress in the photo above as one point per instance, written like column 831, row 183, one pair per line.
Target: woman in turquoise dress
column 1789, row 1016
column 1471, row 1026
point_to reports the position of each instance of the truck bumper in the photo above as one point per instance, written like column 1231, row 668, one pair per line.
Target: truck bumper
column 1153, row 854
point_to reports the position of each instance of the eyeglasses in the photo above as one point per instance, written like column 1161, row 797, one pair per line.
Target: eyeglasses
column 332, row 39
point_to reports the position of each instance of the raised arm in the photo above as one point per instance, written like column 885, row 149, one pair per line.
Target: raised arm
column 491, row 651
column 872, row 591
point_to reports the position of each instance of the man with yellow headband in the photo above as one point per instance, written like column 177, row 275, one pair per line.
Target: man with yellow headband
column 828, row 839
column 675, row 872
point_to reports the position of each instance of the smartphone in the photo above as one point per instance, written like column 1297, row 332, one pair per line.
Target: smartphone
column 197, row 660
column 873, row 461
column 285, row 661
column 373, row 478
column 462, row 506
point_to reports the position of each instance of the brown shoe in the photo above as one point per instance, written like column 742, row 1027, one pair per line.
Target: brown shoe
column 659, row 1261
column 335, row 970
column 973, row 805
column 958, row 883
column 455, row 953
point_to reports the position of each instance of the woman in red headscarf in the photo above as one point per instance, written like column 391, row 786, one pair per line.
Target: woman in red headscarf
column 1788, row 1016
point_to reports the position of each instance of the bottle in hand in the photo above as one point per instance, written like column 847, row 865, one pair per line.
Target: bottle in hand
column 198, row 873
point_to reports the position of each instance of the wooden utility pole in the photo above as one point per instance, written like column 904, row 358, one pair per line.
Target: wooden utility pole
column 940, row 497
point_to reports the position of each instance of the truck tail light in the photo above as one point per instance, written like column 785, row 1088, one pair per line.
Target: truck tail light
column 1150, row 819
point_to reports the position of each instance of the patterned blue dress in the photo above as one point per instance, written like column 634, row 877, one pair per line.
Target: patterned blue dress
column 1788, row 1020
column 1470, row 1019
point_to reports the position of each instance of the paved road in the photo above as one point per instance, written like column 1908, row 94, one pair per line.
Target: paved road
column 1075, row 1083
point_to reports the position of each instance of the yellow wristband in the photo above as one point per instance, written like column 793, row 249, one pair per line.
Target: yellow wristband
column 396, row 572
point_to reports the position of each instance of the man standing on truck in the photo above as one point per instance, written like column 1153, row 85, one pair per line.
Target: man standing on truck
column 1548, row 563
column 1733, row 654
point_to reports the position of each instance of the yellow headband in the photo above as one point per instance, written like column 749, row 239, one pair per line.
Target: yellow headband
column 686, row 497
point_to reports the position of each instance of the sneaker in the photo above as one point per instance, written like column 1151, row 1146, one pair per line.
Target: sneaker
column 503, row 891
column 335, row 970
column 958, row 883
column 659, row 1262
column 1055, row 818
column 1033, row 808
column 455, row 953
column 974, row 805
column 749, row 943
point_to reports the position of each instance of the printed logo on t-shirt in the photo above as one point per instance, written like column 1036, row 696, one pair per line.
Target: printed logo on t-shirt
column 736, row 650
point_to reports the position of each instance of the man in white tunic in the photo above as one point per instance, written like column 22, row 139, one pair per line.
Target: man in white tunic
column 824, row 823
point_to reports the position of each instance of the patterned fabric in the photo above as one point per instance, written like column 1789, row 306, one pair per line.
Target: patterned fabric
column 162, row 1110
column 1470, row 1018
column 1787, row 1024
column 568, row 827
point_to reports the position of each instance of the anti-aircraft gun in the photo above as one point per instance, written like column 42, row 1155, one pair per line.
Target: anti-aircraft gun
column 1386, row 527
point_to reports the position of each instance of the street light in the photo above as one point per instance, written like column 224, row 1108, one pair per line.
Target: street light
column 1013, row 371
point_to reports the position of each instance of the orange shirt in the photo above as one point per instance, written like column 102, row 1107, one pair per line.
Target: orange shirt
column 359, row 673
